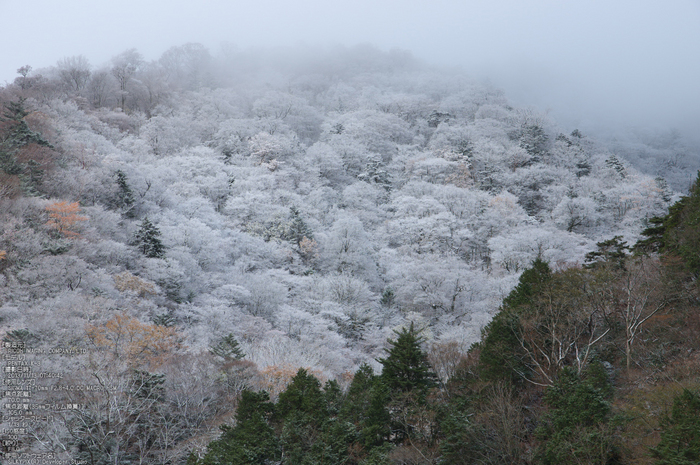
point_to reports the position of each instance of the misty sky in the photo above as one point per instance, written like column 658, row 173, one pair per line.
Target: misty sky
column 632, row 62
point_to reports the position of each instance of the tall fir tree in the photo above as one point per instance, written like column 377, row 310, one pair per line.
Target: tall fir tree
column 309, row 430
column 365, row 407
column 406, row 367
column 534, row 140
column 147, row 239
column 252, row 440
column 124, row 198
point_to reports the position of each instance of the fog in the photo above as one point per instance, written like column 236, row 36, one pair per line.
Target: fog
column 597, row 65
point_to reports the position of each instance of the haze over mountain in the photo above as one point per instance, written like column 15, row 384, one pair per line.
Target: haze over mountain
column 596, row 65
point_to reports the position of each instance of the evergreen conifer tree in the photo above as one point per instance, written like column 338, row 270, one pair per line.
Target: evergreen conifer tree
column 406, row 368
column 147, row 240
column 297, row 229
column 365, row 407
column 303, row 416
column 16, row 135
column 613, row 251
column 20, row 133
column 228, row 348
column 401, row 393
column 615, row 164
column 375, row 427
column 357, row 400
column 252, row 440
column 124, row 199
column 304, row 396
column 534, row 141
column 376, row 173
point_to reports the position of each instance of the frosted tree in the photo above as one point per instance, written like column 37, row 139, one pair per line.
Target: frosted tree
column 348, row 249
column 186, row 66
column 74, row 72
column 575, row 214
column 124, row 67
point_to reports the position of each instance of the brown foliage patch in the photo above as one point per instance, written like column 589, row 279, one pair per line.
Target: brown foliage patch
column 140, row 344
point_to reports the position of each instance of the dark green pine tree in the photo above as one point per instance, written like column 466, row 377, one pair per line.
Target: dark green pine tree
column 333, row 397
column 357, row 399
column 252, row 440
column 336, row 434
column 406, row 367
column 680, row 437
column 166, row 319
column 365, row 408
column 20, row 134
column 304, row 396
column 124, row 198
column 227, row 348
column 613, row 251
column 147, row 240
column 403, row 391
column 664, row 190
column 375, row 427
column 500, row 354
column 31, row 178
column 529, row 284
column 466, row 440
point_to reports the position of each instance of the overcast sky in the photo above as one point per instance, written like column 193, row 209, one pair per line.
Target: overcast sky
column 632, row 62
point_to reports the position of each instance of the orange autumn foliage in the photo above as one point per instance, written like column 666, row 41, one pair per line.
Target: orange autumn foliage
column 64, row 218
column 139, row 344
column 276, row 378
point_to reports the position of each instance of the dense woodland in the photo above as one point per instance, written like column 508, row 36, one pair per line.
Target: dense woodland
column 342, row 256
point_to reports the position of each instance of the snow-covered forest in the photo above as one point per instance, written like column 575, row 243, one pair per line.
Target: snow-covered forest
column 297, row 204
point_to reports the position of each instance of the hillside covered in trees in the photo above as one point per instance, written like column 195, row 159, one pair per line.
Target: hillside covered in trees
column 341, row 256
